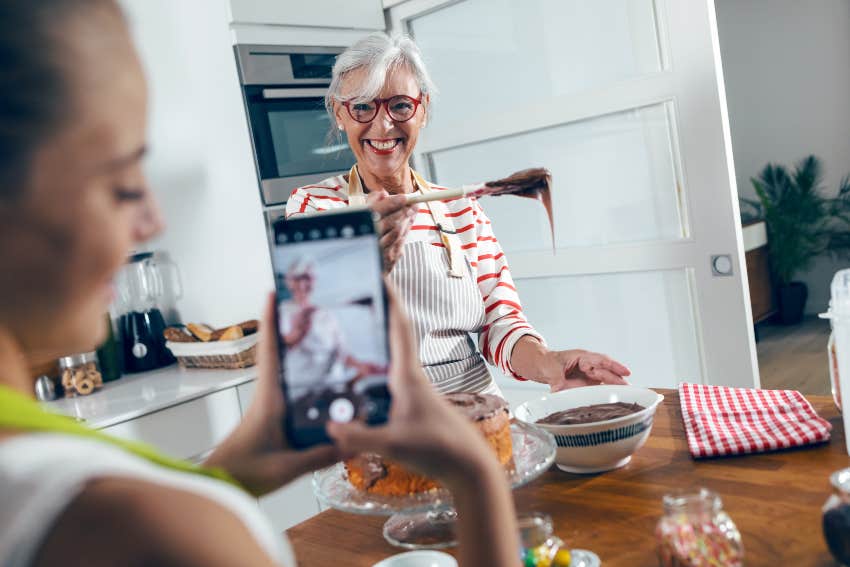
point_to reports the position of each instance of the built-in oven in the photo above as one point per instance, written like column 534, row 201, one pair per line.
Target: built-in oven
column 284, row 89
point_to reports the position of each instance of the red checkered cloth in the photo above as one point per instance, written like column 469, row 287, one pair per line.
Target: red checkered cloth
column 736, row 421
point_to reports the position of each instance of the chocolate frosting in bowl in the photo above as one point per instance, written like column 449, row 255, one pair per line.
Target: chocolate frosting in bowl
column 477, row 407
column 591, row 414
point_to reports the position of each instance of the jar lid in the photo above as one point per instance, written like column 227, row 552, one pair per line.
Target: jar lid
column 77, row 359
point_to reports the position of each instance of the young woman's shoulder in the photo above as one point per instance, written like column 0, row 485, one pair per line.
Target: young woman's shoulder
column 64, row 494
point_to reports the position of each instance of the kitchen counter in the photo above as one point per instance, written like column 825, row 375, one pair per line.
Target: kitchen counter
column 135, row 395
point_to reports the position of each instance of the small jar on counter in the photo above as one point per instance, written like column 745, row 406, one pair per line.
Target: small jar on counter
column 540, row 548
column 695, row 531
column 80, row 374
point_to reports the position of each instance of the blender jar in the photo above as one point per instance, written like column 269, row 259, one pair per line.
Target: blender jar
column 140, row 287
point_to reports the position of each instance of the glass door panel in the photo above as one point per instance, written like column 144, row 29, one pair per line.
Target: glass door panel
column 485, row 55
column 643, row 319
column 615, row 179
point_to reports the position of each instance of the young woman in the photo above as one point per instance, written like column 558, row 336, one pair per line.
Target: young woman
column 73, row 202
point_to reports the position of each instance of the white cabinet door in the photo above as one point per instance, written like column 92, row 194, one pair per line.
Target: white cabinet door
column 293, row 503
column 623, row 101
column 361, row 14
column 187, row 431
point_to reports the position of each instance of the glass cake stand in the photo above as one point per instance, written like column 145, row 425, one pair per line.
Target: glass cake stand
column 426, row 520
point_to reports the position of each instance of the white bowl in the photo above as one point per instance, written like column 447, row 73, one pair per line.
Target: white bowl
column 601, row 445
column 422, row 558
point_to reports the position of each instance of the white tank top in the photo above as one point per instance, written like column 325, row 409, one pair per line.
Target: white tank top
column 42, row 473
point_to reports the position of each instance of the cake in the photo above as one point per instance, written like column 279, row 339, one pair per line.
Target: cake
column 376, row 475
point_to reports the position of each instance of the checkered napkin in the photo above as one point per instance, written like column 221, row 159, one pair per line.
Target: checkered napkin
column 735, row 421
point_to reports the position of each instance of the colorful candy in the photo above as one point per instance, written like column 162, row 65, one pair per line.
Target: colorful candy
column 698, row 534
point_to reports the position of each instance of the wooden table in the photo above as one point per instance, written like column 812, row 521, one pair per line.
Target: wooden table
column 774, row 498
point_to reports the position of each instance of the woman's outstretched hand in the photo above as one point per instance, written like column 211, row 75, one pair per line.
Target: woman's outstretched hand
column 562, row 369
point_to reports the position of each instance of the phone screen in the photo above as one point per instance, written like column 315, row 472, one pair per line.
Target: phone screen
column 332, row 322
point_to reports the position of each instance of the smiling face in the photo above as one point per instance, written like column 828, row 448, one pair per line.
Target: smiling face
column 84, row 203
column 383, row 146
column 301, row 287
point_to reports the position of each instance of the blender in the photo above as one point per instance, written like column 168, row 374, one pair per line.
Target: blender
column 140, row 287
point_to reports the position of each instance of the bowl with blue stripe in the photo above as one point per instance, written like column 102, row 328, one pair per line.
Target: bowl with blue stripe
column 598, row 446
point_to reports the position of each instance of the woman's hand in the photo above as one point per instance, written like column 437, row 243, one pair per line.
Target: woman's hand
column 256, row 453
column 426, row 433
column 565, row 368
column 423, row 430
column 395, row 219
column 301, row 323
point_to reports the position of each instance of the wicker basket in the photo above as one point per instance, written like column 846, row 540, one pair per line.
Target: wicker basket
column 240, row 353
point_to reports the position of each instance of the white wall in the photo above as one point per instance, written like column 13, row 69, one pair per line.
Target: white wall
column 787, row 69
column 200, row 164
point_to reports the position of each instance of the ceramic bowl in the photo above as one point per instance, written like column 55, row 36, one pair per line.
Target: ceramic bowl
column 602, row 445
column 421, row 558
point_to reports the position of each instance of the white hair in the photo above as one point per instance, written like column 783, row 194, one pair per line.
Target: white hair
column 379, row 54
column 301, row 266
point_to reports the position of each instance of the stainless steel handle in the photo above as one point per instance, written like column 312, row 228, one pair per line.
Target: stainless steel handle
column 294, row 93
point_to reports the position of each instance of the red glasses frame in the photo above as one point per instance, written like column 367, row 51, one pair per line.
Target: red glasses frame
column 385, row 102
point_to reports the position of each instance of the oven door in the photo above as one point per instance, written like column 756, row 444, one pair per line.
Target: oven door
column 290, row 130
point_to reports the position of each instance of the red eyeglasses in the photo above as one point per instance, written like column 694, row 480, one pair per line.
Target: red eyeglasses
column 401, row 108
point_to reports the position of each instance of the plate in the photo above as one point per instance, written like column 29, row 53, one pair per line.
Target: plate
column 534, row 453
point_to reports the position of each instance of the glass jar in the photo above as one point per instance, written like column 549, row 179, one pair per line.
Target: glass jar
column 836, row 517
column 695, row 531
column 80, row 374
column 540, row 548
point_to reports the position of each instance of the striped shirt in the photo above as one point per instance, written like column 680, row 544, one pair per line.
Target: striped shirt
column 505, row 322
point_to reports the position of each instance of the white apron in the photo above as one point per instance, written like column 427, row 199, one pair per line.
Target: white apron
column 443, row 302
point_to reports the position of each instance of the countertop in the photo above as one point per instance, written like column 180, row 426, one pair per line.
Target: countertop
column 774, row 498
column 135, row 395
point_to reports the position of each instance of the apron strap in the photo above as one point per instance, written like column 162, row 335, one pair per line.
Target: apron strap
column 439, row 212
column 448, row 235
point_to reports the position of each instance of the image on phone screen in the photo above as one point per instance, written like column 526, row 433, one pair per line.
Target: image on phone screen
column 332, row 321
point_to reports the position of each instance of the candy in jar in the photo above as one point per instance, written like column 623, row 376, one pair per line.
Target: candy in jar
column 695, row 531
column 539, row 547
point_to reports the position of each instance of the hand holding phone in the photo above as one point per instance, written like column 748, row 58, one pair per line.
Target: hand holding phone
column 332, row 322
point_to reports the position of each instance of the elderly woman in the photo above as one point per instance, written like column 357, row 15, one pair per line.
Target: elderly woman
column 379, row 98
column 73, row 202
column 316, row 353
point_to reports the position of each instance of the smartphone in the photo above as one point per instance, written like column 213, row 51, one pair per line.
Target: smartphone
column 332, row 322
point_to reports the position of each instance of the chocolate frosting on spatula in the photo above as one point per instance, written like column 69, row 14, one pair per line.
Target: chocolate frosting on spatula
column 534, row 183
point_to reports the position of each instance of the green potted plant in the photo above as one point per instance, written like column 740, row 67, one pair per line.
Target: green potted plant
column 802, row 224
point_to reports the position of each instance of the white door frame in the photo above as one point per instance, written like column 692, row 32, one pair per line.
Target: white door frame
column 691, row 85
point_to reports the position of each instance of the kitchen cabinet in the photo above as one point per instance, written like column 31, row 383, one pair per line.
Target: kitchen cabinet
column 363, row 14
column 186, row 431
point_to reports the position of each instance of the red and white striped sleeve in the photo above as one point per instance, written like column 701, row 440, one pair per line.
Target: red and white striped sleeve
column 505, row 323
column 315, row 198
